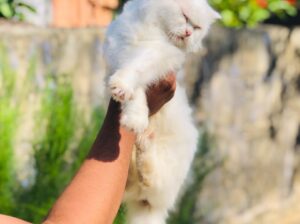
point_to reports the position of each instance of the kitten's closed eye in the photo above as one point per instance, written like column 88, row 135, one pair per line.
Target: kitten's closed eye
column 195, row 26
column 186, row 18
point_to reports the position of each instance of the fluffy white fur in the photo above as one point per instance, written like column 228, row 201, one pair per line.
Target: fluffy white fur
column 148, row 40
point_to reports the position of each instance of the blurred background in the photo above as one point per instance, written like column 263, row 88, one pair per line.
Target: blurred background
column 244, row 87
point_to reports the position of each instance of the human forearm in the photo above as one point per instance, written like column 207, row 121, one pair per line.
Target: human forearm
column 11, row 220
column 106, row 166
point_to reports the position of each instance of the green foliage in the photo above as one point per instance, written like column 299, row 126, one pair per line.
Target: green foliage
column 203, row 165
column 49, row 151
column 11, row 97
column 8, row 120
column 62, row 140
column 53, row 167
column 121, row 217
column 239, row 13
column 13, row 9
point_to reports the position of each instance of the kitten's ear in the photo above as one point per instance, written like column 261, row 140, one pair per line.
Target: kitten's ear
column 214, row 14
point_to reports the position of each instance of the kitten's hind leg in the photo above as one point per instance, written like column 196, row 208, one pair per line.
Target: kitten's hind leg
column 135, row 112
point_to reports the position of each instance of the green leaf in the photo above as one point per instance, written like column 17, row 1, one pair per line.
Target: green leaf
column 244, row 13
column 6, row 10
column 260, row 15
column 230, row 19
column 29, row 7
column 237, row 13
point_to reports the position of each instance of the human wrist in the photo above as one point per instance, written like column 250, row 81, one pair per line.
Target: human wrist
column 107, row 144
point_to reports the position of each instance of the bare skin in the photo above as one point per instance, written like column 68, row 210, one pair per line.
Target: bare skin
column 95, row 193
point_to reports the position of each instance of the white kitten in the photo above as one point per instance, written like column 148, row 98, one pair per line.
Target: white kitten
column 147, row 41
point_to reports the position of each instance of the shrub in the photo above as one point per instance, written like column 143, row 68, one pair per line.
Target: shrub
column 11, row 98
column 9, row 112
column 14, row 9
column 239, row 13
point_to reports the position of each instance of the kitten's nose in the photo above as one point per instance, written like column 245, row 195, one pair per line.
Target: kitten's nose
column 188, row 33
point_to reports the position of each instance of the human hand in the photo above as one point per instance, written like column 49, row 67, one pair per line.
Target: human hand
column 160, row 93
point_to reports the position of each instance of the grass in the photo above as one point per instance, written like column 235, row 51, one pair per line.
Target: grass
column 54, row 163
column 63, row 139
column 8, row 123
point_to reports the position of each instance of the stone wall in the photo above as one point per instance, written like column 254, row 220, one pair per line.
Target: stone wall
column 75, row 52
column 247, row 93
column 245, row 87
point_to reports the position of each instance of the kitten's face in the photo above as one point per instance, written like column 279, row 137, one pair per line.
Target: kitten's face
column 187, row 23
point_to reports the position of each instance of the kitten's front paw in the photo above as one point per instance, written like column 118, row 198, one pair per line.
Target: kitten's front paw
column 120, row 90
column 135, row 122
